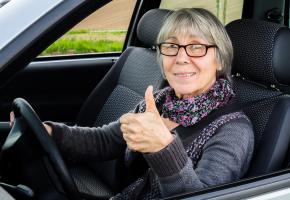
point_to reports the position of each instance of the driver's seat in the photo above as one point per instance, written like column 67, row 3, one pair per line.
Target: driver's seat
column 118, row 93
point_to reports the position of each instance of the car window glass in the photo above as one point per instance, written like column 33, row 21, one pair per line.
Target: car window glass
column 15, row 25
column 3, row 2
column 103, row 31
column 225, row 10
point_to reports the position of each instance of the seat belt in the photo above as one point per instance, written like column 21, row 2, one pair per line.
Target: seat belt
column 193, row 131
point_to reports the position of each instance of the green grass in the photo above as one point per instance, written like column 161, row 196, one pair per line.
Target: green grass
column 100, row 32
column 72, row 46
column 80, row 31
column 87, row 41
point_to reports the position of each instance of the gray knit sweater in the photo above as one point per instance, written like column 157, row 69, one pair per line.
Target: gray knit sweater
column 225, row 157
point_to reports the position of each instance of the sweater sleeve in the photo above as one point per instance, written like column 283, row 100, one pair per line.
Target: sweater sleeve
column 85, row 143
column 226, row 157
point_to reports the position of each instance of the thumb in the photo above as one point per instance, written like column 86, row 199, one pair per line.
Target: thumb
column 149, row 100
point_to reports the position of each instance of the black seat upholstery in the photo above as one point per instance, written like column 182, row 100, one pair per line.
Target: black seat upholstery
column 119, row 92
column 261, row 69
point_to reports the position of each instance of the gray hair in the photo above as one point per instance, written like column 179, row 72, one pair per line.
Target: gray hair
column 203, row 24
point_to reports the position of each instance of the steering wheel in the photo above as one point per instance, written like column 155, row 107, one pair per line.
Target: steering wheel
column 25, row 117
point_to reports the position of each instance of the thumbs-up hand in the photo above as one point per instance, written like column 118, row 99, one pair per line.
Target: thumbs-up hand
column 145, row 132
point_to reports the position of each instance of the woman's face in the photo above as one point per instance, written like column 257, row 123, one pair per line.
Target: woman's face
column 190, row 76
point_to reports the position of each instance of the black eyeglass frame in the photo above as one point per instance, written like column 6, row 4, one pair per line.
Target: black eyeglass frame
column 184, row 46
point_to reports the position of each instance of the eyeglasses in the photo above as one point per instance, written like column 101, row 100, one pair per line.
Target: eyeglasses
column 192, row 50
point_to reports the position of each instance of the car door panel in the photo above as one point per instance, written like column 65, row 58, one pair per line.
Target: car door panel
column 56, row 89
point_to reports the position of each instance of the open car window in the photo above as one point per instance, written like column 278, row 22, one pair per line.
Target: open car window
column 66, row 81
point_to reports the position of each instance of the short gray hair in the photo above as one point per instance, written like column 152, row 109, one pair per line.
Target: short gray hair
column 203, row 24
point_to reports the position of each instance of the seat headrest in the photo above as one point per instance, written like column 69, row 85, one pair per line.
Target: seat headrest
column 150, row 25
column 261, row 51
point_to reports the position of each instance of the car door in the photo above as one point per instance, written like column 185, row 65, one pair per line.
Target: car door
column 57, row 85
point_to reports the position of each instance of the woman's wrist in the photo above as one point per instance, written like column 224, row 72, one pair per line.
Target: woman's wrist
column 168, row 161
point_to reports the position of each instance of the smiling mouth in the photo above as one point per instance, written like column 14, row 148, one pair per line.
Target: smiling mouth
column 184, row 74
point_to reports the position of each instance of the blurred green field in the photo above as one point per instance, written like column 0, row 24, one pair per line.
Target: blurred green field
column 87, row 41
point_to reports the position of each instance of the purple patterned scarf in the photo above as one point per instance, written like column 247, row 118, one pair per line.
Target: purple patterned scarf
column 189, row 111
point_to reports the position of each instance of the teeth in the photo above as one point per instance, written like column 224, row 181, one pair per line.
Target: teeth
column 184, row 74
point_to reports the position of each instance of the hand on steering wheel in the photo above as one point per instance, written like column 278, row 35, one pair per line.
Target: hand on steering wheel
column 23, row 117
column 12, row 119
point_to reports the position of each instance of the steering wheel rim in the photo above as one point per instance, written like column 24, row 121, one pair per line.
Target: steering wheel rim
column 22, row 108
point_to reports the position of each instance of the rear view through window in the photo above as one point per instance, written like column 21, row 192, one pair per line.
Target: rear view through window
column 225, row 10
column 103, row 31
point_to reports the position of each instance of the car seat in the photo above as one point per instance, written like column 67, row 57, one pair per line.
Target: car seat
column 119, row 92
column 261, row 78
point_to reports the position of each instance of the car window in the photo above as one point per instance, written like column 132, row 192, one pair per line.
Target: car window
column 103, row 31
column 225, row 10
column 3, row 2
column 15, row 25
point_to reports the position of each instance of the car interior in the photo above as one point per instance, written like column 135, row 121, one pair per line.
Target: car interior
column 261, row 80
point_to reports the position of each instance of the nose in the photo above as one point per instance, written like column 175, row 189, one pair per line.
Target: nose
column 182, row 56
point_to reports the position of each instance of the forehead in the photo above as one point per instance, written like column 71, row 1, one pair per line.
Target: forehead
column 190, row 31
column 186, row 38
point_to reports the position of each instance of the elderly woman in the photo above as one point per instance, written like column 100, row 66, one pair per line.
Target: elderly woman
column 195, row 55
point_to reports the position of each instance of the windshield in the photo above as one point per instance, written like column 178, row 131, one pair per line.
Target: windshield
column 3, row 2
column 17, row 16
